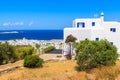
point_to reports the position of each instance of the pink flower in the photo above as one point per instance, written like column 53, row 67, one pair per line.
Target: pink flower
column 70, row 38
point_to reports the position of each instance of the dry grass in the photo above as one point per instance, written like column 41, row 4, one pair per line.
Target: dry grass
column 48, row 72
column 107, row 73
column 18, row 63
column 63, row 70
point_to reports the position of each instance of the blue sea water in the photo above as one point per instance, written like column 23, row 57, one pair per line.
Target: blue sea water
column 31, row 34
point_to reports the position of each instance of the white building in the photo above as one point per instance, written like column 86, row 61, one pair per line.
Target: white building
column 95, row 29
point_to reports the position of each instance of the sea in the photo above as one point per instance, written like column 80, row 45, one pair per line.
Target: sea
column 31, row 34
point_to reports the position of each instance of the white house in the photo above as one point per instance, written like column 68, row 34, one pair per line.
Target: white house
column 95, row 29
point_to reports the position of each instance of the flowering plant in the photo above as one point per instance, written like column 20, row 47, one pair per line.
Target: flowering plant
column 70, row 38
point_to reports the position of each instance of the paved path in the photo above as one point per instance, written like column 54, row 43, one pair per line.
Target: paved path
column 51, row 56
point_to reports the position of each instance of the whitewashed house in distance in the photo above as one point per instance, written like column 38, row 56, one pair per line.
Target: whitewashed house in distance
column 95, row 29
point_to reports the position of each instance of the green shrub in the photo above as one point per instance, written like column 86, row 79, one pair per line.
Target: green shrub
column 49, row 48
column 22, row 51
column 32, row 61
column 91, row 54
column 7, row 53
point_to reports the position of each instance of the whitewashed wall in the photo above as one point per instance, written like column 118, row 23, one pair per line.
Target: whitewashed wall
column 88, row 22
column 80, row 34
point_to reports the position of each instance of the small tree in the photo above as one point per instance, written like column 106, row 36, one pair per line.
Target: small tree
column 70, row 40
column 91, row 54
column 38, row 47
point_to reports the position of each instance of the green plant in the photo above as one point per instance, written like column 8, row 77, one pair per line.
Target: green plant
column 32, row 61
column 22, row 51
column 91, row 54
column 38, row 47
column 7, row 53
column 48, row 49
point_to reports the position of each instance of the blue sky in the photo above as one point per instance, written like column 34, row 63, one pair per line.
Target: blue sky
column 53, row 14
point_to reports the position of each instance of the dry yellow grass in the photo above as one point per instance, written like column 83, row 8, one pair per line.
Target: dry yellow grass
column 107, row 73
column 18, row 63
column 48, row 72
column 62, row 70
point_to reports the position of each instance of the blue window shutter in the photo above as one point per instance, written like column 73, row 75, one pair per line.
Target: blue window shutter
column 114, row 29
column 83, row 24
column 78, row 25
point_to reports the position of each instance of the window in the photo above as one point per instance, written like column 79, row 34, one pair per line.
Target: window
column 78, row 25
column 93, row 23
column 113, row 29
column 86, row 38
column 83, row 25
column 111, row 43
column 97, row 39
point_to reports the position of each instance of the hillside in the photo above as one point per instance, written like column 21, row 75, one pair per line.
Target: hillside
column 61, row 70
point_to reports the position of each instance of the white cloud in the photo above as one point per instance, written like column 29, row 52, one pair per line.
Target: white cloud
column 13, row 23
column 6, row 23
column 30, row 23
column 17, row 24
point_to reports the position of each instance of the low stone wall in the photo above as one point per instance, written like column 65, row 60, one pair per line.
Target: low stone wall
column 9, row 69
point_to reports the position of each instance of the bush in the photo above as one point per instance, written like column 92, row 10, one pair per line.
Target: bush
column 91, row 54
column 49, row 48
column 22, row 51
column 32, row 61
column 7, row 53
